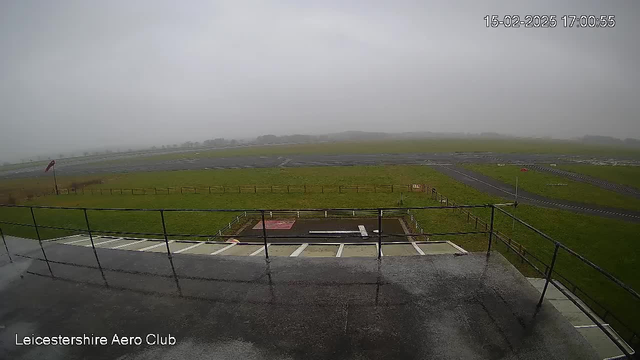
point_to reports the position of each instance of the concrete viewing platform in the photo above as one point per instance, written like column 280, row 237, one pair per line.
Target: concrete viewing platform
column 222, row 307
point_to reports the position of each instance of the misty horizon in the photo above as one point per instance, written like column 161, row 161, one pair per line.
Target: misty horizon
column 78, row 76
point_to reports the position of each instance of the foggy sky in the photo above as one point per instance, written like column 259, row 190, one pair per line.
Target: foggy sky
column 83, row 74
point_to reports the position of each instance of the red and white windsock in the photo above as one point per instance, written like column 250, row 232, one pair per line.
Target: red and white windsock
column 53, row 162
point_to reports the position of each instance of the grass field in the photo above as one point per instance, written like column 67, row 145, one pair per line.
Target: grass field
column 404, row 146
column 624, row 175
column 609, row 243
column 536, row 182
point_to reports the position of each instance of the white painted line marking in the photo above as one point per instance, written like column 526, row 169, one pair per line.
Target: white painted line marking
column 415, row 246
column 258, row 251
column 104, row 242
column 381, row 254
column 457, row 247
column 223, row 249
column 363, row 231
column 333, row 232
column 339, row 253
column 75, row 241
column 63, row 238
column 155, row 246
column 188, row 248
column 299, row 250
column 129, row 244
column 588, row 326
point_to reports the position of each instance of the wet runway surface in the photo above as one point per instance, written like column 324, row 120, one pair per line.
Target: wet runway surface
column 237, row 162
column 416, row 307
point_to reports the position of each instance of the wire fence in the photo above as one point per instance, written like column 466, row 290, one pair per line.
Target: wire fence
column 545, row 268
column 238, row 189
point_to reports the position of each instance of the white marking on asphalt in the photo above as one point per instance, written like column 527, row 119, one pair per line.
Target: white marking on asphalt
column 284, row 163
column 259, row 250
column 457, row 247
column 75, row 241
column 333, row 232
column 129, row 244
column 104, row 242
column 363, row 231
column 155, row 246
column 223, row 249
column 415, row 246
column 339, row 253
column 188, row 248
column 588, row 326
column 299, row 250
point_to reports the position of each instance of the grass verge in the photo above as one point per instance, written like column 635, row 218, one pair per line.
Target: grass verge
column 546, row 184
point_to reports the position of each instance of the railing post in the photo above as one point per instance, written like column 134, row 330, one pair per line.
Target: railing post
column 35, row 225
column 164, row 231
column 264, row 236
column 166, row 242
column 493, row 210
column 5, row 245
column 379, row 234
column 546, row 284
column 86, row 219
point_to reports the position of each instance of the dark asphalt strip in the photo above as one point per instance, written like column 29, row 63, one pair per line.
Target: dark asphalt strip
column 498, row 188
column 604, row 184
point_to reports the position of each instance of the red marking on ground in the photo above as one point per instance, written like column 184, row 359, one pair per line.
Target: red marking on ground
column 275, row 224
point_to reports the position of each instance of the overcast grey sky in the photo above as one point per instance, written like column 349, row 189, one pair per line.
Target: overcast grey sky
column 82, row 74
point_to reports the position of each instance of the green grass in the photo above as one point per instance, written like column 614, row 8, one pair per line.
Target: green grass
column 536, row 182
column 404, row 146
column 624, row 175
column 609, row 243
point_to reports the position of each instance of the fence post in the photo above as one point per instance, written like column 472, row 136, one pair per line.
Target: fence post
column 5, row 245
column 255, row 189
column 86, row 219
column 35, row 225
column 111, row 191
column 493, row 210
column 323, row 189
column 264, row 236
column 340, row 189
column 549, row 273
column 379, row 234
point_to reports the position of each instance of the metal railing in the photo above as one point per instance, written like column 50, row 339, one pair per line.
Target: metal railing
column 549, row 269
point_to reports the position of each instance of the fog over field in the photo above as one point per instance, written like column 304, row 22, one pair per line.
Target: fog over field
column 79, row 75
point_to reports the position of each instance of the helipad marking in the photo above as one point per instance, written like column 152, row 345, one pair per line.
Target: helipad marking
column 258, row 251
column 223, row 249
column 155, row 246
column 339, row 253
column 104, row 242
column 299, row 250
column 363, row 231
column 189, row 248
column 129, row 244
column 415, row 246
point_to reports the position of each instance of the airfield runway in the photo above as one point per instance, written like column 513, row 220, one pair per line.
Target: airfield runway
column 444, row 162
column 237, row 162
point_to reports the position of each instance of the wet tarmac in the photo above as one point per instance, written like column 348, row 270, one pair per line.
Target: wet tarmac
column 418, row 307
